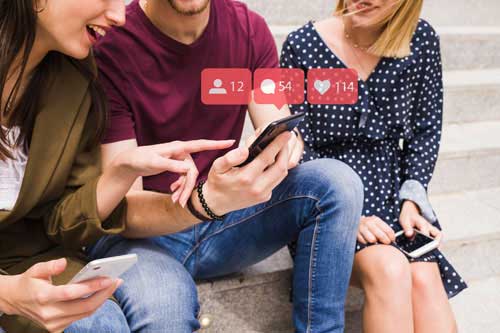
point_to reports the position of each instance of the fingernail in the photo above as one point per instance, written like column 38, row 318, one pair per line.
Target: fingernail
column 119, row 283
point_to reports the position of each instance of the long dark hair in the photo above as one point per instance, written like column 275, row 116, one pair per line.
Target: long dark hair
column 18, row 26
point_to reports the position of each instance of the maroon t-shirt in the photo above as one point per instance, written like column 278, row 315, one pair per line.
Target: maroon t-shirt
column 153, row 82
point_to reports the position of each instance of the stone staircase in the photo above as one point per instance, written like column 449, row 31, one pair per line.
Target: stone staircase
column 465, row 190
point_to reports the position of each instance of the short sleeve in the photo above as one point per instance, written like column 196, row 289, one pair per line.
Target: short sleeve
column 264, row 51
column 121, row 124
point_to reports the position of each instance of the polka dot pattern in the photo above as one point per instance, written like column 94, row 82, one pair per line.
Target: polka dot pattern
column 391, row 135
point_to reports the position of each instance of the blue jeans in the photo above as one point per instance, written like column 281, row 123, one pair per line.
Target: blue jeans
column 319, row 205
column 109, row 318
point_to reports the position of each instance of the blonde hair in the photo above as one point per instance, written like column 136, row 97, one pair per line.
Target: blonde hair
column 398, row 28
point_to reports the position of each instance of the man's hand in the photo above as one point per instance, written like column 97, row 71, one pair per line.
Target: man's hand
column 295, row 146
column 229, row 188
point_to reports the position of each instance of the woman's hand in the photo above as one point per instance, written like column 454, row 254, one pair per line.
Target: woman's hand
column 373, row 230
column 186, row 183
column 410, row 218
column 33, row 296
column 173, row 156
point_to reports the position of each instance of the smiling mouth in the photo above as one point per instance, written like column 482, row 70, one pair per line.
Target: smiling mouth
column 95, row 31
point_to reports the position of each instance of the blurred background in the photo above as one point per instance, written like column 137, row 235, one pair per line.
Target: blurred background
column 465, row 190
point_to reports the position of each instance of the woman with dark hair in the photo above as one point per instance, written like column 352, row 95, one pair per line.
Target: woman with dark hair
column 53, row 200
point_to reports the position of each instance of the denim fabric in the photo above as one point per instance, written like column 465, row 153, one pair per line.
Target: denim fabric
column 109, row 318
column 319, row 205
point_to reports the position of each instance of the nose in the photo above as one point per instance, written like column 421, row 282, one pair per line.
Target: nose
column 115, row 13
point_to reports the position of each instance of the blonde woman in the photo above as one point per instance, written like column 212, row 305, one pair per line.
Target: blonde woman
column 397, row 57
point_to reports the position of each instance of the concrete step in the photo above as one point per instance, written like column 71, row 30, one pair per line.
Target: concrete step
column 471, row 95
column 462, row 47
column 468, row 159
column 442, row 12
column 257, row 300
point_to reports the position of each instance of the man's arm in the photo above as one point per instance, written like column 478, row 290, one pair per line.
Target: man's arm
column 148, row 213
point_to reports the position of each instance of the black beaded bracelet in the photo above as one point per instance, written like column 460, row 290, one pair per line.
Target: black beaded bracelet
column 195, row 212
column 204, row 204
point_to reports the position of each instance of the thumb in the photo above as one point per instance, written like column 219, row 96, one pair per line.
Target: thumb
column 45, row 270
column 231, row 159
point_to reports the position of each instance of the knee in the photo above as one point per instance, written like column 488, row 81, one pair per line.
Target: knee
column 335, row 178
column 159, row 292
column 390, row 274
column 423, row 283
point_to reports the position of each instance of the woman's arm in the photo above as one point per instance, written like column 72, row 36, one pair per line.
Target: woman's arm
column 420, row 153
column 94, row 205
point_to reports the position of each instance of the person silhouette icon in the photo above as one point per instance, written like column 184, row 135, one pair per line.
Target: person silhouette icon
column 217, row 90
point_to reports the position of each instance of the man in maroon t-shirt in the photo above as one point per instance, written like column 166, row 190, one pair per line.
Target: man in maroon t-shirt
column 237, row 216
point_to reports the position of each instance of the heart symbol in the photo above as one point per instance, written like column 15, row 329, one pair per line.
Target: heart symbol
column 322, row 86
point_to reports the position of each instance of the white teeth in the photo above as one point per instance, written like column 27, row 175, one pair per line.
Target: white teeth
column 97, row 29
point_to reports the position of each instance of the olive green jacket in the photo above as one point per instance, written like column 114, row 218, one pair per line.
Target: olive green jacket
column 56, row 214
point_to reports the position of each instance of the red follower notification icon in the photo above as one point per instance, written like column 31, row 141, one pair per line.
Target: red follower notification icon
column 279, row 86
column 332, row 86
column 226, row 86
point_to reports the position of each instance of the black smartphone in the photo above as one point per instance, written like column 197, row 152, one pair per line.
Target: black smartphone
column 270, row 133
column 419, row 244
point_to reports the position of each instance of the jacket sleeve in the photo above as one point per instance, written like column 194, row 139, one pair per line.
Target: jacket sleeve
column 73, row 220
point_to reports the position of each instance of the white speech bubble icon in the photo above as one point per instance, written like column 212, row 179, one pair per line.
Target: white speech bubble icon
column 268, row 86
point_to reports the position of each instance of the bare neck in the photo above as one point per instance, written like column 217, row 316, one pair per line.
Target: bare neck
column 183, row 28
column 364, row 36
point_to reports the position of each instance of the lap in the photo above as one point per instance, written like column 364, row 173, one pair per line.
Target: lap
column 248, row 236
column 108, row 318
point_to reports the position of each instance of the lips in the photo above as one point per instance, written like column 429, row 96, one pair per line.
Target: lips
column 92, row 35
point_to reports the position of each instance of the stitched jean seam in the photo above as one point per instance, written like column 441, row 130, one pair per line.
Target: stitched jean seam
column 312, row 267
column 246, row 218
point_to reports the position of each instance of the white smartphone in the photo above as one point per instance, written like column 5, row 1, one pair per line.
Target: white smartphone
column 417, row 245
column 111, row 267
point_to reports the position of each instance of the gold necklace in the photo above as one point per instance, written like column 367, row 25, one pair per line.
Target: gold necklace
column 354, row 44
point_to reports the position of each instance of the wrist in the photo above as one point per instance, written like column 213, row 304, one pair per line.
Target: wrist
column 7, row 287
column 212, row 200
column 195, row 208
column 412, row 206
column 122, row 169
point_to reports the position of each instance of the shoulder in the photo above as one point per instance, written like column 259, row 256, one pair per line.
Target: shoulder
column 304, row 34
column 425, row 35
column 243, row 18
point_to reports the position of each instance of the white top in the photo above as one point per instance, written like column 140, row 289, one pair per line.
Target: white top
column 12, row 173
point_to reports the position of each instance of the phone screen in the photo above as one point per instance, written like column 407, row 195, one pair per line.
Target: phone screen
column 411, row 244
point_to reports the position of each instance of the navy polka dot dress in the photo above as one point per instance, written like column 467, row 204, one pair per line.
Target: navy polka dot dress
column 390, row 136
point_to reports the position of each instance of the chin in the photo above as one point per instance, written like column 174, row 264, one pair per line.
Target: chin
column 79, row 53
